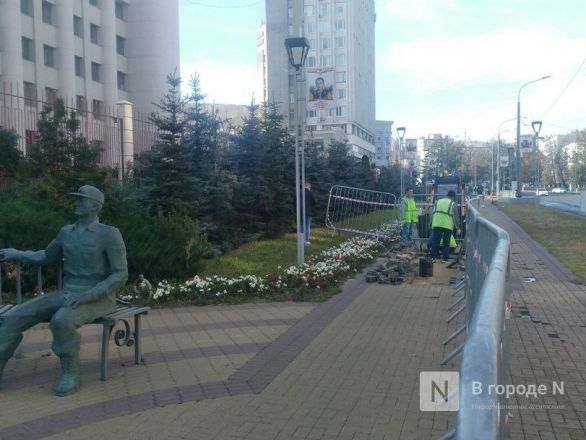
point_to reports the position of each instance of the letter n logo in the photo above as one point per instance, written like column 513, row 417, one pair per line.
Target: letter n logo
column 438, row 390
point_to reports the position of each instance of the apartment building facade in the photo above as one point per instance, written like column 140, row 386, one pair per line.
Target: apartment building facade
column 93, row 52
column 341, row 38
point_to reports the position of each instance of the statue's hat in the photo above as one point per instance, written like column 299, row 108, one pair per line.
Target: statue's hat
column 90, row 192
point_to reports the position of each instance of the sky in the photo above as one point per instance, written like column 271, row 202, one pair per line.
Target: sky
column 453, row 67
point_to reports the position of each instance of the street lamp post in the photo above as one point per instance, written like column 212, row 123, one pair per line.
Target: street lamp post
column 297, row 49
column 401, row 134
column 536, row 125
column 519, row 132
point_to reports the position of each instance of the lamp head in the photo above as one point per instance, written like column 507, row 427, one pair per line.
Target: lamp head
column 401, row 132
column 297, row 49
column 536, row 125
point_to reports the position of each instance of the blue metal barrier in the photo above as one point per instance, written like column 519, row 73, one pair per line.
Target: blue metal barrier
column 484, row 368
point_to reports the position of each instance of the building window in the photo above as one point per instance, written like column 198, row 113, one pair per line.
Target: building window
column 309, row 27
column 324, row 60
column 96, row 71
column 324, row 9
column 340, row 59
column 94, row 3
column 78, row 26
column 290, row 30
column 308, row 10
column 310, row 62
column 80, row 104
column 120, row 10
column 325, row 43
column 120, row 45
column 28, row 49
column 26, row 7
column 97, row 108
column 340, row 42
column 79, row 67
column 341, row 93
column 121, row 81
column 50, row 97
column 290, row 12
column 340, row 24
column 340, row 77
column 94, row 33
column 324, row 26
column 49, row 55
column 30, row 94
column 339, row 8
column 47, row 12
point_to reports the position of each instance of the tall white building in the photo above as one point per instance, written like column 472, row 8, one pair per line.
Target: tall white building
column 383, row 142
column 91, row 52
column 341, row 37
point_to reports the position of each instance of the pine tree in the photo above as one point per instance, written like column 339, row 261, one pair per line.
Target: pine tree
column 167, row 171
column 276, row 195
column 61, row 153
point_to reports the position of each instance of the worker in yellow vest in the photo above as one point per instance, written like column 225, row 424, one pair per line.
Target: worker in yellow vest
column 409, row 214
column 445, row 217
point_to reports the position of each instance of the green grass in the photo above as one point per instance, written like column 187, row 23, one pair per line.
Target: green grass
column 263, row 256
column 562, row 234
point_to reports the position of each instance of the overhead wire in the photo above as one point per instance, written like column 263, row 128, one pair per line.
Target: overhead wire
column 565, row 88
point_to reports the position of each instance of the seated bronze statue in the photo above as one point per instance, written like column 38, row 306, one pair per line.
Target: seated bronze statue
column 93, row 256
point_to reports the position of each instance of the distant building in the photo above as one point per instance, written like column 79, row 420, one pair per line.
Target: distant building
column 232, row 114
column 340, row 81
column 383, row 142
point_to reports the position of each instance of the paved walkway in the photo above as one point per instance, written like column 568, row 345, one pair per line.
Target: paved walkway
column 345, row 369
column 548, row 339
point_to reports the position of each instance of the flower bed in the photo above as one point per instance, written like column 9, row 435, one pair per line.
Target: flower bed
column 327, row 269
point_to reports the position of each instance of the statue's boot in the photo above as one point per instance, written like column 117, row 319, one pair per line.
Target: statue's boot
column 69, row 379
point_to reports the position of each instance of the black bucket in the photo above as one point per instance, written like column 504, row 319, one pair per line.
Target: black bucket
column 425, row 267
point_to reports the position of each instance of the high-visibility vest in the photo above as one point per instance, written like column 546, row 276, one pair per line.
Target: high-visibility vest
column 410, row 210
column 442, row 214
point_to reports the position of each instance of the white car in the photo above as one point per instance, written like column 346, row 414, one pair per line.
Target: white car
column 558, row 190
column 541, row 192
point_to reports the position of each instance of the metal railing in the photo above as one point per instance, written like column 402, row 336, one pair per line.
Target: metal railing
column 483, row 413
column 16, row 274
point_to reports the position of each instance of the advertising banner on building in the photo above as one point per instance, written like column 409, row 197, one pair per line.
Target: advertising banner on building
column 410, row 149
column 526, row 144
column 320, row 93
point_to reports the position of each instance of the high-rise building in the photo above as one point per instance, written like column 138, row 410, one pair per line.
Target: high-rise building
column 383, row 142
column 339, row 71
column 94, row 53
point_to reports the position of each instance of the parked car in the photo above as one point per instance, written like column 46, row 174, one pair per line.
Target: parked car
column 541, row 192
column 558, row 190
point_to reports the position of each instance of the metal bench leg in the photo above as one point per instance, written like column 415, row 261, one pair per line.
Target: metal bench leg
column 106, row 332
column 137, row 341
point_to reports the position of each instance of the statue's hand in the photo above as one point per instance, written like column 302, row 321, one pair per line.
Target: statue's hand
column 9, row 254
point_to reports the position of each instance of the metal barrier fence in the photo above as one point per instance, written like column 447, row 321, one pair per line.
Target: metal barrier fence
column 483, row 413
column 361, row 211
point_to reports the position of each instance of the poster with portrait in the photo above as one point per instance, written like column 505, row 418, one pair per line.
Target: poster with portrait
column 320, row 91
column 410, row 149
column 504, row 161
column 526, row 144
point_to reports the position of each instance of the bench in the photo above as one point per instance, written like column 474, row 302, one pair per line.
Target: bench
column 122, row 337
